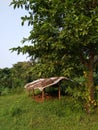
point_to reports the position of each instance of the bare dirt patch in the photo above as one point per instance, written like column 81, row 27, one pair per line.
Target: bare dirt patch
column 38, row 97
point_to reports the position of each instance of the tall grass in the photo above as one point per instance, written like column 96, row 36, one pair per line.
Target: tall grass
column 20, row 112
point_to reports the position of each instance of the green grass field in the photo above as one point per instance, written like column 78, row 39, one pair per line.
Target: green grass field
column 20, row 112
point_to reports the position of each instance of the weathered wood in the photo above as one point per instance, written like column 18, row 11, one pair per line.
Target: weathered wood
column 43, row 94
column 28, row 91
column 33, row 93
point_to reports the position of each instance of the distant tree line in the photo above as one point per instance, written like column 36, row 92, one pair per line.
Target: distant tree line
column 16, row 76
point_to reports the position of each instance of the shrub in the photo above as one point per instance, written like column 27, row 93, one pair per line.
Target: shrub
column 4, row 91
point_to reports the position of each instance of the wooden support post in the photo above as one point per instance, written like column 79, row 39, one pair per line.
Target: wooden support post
column 28, row 91
column 59, row 91
column 33, row 93
column 43, row 95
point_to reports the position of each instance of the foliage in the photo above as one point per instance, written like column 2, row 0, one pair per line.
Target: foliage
column 15, row 77
column 5, row 78
column 21, row 73
column 47, row 45
column 5, row 91
column 54, row 23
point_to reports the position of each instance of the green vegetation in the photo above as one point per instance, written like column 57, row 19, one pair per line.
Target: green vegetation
column 20, row 112
column 63, row 42
column 63, row 39
column 18, row 75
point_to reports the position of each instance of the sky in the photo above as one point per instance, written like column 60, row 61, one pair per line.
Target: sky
column 11, row 34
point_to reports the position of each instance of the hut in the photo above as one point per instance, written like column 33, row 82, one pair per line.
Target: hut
column 43, row 83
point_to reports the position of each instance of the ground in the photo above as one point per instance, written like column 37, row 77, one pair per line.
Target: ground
column 48, row 96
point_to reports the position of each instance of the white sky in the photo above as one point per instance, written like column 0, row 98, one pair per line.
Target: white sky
column 11, row 34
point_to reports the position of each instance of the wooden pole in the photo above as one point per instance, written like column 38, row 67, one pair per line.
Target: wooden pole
column 28, row 90
column 43, row 95
column 59, row 91
column 33, row 93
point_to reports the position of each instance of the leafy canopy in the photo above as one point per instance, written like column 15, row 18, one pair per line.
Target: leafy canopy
column 62, row 31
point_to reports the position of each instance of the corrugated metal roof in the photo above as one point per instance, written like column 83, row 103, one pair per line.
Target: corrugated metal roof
column 44, row 82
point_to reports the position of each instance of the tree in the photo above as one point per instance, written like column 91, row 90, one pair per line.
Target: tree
column 5, row 78
column 63, row 31
column 17, row 76
column 21, row 74
column 82, row 29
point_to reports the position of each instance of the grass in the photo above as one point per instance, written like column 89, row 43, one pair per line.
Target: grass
column 20, row 112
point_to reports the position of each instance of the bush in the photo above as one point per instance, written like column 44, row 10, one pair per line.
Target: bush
column 4, row 91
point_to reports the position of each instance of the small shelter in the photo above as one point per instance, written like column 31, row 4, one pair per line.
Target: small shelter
column 43, row 83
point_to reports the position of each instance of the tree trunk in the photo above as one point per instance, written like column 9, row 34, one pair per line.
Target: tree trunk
column 90, row 91
column 90, row 85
